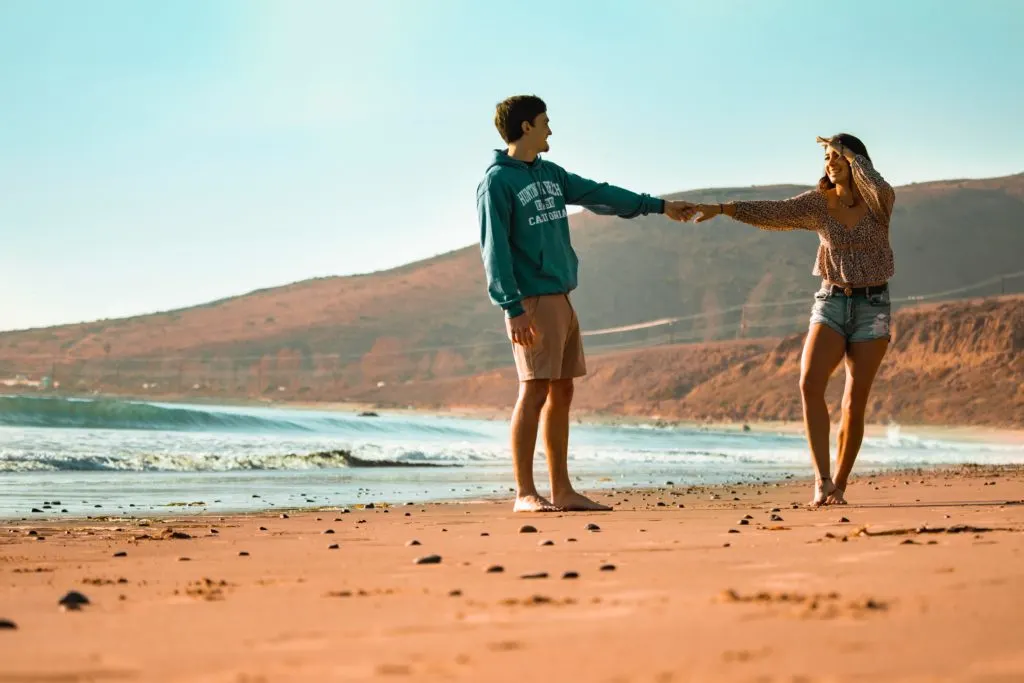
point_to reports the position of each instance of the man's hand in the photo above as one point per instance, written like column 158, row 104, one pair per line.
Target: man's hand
column 520, row 329
column 680, row 210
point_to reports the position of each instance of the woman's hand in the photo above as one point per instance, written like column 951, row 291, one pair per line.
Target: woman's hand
column 837, row 145
column 708, row 211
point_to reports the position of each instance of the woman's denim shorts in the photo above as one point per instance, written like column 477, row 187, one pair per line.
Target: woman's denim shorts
column 858, row 318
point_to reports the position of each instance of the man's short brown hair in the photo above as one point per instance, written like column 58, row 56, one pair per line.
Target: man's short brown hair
column 513, row 112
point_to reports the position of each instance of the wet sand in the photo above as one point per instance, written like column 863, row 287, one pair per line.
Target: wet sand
column 924, row 581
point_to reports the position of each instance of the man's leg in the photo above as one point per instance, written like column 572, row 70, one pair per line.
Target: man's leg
column 556, row 443
column 525, row 419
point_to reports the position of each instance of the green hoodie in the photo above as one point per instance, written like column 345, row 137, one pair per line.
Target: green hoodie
column 524, row 230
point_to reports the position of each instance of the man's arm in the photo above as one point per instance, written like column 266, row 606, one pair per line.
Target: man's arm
column 495, row 212
column 608, row 199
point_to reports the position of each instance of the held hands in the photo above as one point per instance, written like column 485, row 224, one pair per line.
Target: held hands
column 520, row 329
column 680, row 210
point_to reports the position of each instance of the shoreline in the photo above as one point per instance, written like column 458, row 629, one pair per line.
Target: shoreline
column 726, row 583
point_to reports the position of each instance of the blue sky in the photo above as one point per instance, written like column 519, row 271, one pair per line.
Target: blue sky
column 155, row 155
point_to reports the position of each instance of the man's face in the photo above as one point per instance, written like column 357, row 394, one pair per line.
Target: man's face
column 537, row 134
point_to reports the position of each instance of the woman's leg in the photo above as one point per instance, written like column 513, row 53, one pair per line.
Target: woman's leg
column 823, row 350
column 862, row 363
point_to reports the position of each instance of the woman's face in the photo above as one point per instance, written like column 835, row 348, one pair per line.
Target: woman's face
column 836, row 167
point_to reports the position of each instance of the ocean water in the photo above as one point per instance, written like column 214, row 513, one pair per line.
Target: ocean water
column 102, row 457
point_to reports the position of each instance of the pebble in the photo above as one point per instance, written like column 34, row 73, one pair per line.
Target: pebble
column 121, row 553
column 748, row 517
column 527, row 529
column 328, row 531
column 571, row 575
column 534, row 575
column 184, row 559
column 455, row 593
column 284, row 516
column 263, row 528
column 593, row 527
column 607, row 567
column 775, row 510
column 243, row 553
column 333, row 546
column 743, row 522
column 570, row 540
column 776, row 518
column 494, row 569
column 413, row 542
column 428, row 559
column 73, row 600
column 734, row 531
column 843, row 520
column 548, row 542
column 484, row 533
column 7, row 624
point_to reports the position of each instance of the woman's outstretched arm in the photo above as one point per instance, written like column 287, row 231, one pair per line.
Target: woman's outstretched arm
column 797, row 213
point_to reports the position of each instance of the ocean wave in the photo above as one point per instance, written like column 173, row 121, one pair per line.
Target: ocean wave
column 104, row 413
column 207, row 462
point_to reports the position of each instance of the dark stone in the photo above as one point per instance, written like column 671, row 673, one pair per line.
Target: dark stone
column 534, row 575
column 428, row 559
column 121, row 553
column 548, row 542
column 527, row 529
column 243, row 553
column 413, row 542
column 7, row 624
column 495, row 569
column 607, row 567
column 593, row 527
column 571, row 575
column 328, row 531
column 333, row 546
column 73, row 600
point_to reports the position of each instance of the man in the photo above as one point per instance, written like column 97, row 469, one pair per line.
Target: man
column 531, row 268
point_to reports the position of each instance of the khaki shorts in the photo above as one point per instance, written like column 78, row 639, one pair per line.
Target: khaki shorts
column 557, row 350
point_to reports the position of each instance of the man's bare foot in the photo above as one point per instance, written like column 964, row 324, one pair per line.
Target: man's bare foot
column 533, row 503
column 578, row 503
column 823, row 490
column 837, row 497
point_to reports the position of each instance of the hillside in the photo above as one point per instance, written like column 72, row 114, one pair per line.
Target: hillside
column 432, row 319
column 954, row 363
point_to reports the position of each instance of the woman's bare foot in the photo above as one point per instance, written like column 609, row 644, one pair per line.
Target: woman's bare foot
column 533, row 503
column 573, row 501
column 836, row 497
column 823, row 490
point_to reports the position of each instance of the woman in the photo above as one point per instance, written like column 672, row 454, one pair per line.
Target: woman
column 850, row 318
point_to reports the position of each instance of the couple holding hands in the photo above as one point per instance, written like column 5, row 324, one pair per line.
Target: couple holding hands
column 531, row 268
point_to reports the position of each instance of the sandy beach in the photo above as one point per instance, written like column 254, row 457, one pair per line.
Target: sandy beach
column 920, row 579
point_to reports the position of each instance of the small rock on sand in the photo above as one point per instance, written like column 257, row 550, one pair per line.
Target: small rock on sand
column 428, row 559
column 570, row 540
column 73, row 600
column 328, row 531
column 743, row 522
column 184, row 559
column 333, row 546
column 593, row 527
column 571, row 575
column 284, row 516
column 548, row 542
column 495, row 569
column 412, row 542
column 776, row 518
column 6, row 624
column 243, row 553
column 263, row 528
column 455, row 593
column 844, row 520
column 527, row 529
column 534, row 575
column 121, row 553
column 607, row 567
